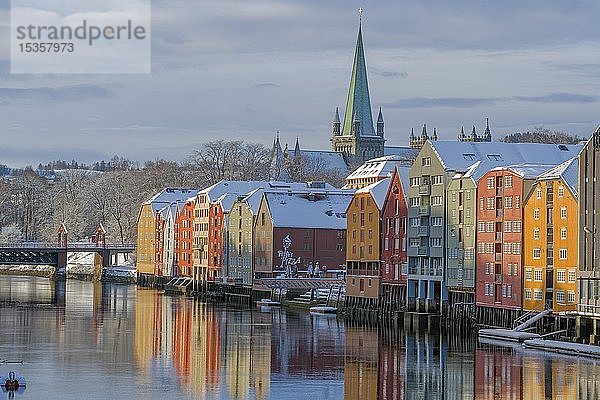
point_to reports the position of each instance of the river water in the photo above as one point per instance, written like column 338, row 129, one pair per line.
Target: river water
column 80, row 340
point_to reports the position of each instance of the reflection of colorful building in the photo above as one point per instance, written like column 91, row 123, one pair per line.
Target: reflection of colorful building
column 498, row 375
column 260, row 355
column 237, row 354
column 361, row 370
column 551, row 240
column 550, row 378
column 392, row 370
column 295, row 229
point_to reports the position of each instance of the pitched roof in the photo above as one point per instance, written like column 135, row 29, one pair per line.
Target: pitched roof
column 567, row 171
column 405, row 152
column 378, row 191
column 308, row 210
column 331, row 160
column 527, row 170
column 378, row 167
column 168, row 196
column 462, row 156
column 358, row 105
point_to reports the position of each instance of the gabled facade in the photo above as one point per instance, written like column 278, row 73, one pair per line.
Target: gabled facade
column 293, row 230
column 363, row 248
column 551, row 241
column 501, row 193
column 170, row 256
column 393, row 232
column 159, row 240
column 241, row 221
column 184, row 225
column 215, row 240
column 589, row 226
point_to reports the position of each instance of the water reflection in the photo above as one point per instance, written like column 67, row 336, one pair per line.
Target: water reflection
column 110, row 337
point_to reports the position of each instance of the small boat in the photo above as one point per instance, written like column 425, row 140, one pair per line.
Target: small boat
column 12, row 383
column 268, row 303
column 322, row 310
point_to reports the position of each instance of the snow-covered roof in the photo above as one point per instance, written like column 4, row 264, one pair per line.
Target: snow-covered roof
column 308, row 210
column 405, row 152
column 331, row 160
column 381, row 167
column 234, row 187
column 403, row 174
column 254, row 197
column 378, row 191
column 527, row 170
column 460, row 156
column 569, row 173
column 168, row 196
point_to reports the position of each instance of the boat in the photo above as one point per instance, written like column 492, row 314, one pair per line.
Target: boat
column 322, row 310
column 13, row 383
column 267, row 303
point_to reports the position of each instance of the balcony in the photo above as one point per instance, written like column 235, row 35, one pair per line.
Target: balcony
column 499, row 191
column 498, row 257
column 424, row 210
column 499, row 236
column 423, row 231
column 424, row 190
column 423, row 251
column 498, row 213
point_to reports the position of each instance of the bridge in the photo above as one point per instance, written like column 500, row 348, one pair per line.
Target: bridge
column 301, row 283
column 55, row 254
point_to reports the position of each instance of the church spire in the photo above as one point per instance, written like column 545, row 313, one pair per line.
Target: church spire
column 359, row 104
column 336, row 123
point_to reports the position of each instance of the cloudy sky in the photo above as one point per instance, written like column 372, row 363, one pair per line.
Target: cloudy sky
column 245, row 69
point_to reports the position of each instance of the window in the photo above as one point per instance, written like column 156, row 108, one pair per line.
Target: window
column 561, row 275
column 508, row 181
column 517, row 201
column 560, row 296
column 536, row 233
column 437, row 180
column 563, row 212
column 507, row 226
column 509, row 269
column 563, row 233
column 467, row 194
column 490, row 203
column 490, row 183
column 561, row 191
column 562, row 254
column 528, row 274
column 436, row 200
column 426, row 161
column 536, row 213
column 489, row 248
column 481, row 226
column 537, row 294
column 480, row 247
column 487, row 268
column 507, row 248
column 435, row 242
column 537, row 275
column 454, row 196
column 509, row 291
column 517, row 226
column 414, row 242
column 490, row 226
column 487, row 289
column 481, row 203
column 571, row 296
column 415, row 201
column 572, row 276
column 527, row 294
column 537, row 254
column 503, row 290
column 415, row 181
column 436, row 221
column 468, row 213
column 508, row 202
column 515, row 269
column 516, row 248
column 414, row 222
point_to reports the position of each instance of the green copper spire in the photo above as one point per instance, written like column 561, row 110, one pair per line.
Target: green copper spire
column 359, row 104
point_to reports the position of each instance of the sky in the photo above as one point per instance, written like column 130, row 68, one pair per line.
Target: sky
column 245, row 69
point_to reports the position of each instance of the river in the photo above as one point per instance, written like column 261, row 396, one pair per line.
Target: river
column 80, row 340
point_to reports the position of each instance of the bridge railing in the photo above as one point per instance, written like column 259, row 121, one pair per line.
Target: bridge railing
column 73, row 245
